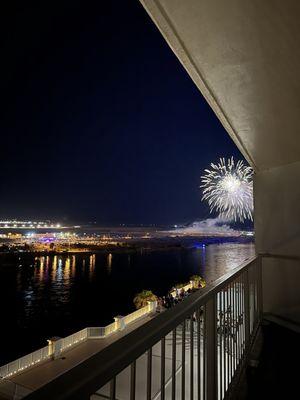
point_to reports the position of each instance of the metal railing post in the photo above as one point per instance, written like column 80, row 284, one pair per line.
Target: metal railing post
column 211, row 344
column 260, row 287
column 247, row 308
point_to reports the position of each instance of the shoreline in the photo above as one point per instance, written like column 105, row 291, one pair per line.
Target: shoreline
column 134, row 246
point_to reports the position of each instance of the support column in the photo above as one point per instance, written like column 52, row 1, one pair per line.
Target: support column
column 119, row 323
column 54, row 347
column 152, row 306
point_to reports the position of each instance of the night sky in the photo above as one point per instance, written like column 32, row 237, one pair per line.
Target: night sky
column 99, row 120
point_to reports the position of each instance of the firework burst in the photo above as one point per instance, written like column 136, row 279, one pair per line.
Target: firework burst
column 228, row 189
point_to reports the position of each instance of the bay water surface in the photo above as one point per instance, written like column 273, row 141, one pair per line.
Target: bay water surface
column 57, row 295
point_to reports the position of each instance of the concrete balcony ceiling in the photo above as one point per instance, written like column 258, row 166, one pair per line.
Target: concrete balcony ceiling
column 244, row 56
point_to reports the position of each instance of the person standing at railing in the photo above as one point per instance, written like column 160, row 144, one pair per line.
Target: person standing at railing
column 170, row 301
column 181, row 294
column 160, row 304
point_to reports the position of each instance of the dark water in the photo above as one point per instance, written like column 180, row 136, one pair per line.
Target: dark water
column 59, row 295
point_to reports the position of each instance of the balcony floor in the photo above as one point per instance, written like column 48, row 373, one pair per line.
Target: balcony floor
column 277, row 374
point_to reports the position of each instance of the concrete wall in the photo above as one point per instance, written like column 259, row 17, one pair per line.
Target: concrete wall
column 244, row 57
column 277, row 225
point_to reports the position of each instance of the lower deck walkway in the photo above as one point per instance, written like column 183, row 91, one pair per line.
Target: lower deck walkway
column 31, row 379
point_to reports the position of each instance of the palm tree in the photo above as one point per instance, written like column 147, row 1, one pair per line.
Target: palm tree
column 141, row 299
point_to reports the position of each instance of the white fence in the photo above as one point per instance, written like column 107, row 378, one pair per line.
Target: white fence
column 109, row 329
column 96, row 332
column 138, row 314
column 24, row 362
column 57, row 346
column 74, row 339
column 188, row 286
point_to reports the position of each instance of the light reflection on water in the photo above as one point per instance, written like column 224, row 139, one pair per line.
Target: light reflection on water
column 60, row 294
column 109, row 263
column 221, row 258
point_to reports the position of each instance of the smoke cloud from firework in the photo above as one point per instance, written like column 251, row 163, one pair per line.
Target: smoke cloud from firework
column 228, row 189
column 207, row 227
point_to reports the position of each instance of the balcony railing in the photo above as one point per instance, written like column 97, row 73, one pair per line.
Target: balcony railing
column 196, row 350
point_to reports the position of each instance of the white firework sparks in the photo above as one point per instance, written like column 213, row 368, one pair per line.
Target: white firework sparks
column 228, row 189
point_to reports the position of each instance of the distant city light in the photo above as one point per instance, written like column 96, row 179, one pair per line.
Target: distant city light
column 16, row 224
